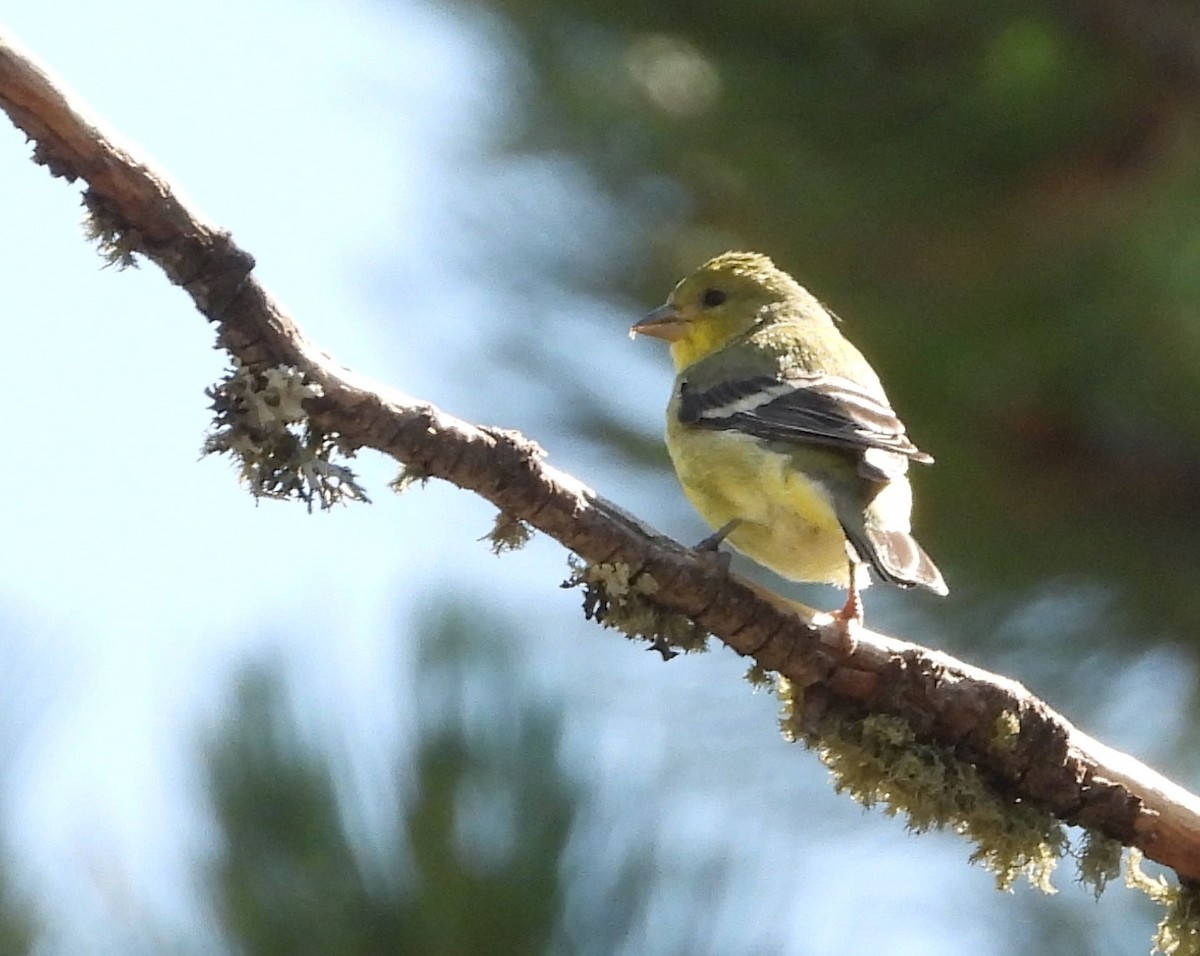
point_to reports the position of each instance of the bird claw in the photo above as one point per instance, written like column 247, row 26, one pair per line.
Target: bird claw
column 841, row 632
column 712, row 544
column 722, row 559
column 713, row 541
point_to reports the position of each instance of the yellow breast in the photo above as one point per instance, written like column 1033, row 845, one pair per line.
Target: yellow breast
column 786, row 521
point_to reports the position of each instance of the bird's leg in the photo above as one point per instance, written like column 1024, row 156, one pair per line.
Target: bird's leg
column 852, row 610
column 712, row 543
column 849, row 618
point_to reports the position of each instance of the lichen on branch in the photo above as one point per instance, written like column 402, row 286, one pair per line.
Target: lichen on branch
column 1019, row 749
column 618, row 597
column 259, row 420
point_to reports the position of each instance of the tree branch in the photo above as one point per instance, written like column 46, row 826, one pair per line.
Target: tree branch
column 1041, row 761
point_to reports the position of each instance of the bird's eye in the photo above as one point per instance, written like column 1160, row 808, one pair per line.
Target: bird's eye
column 712, row 298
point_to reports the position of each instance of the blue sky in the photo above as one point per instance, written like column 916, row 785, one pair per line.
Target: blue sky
column 331, row 138
column 136, row 577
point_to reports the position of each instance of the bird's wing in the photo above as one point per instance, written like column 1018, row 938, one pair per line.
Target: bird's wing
column 806, row 408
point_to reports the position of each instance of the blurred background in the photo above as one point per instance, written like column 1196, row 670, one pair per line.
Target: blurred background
column 237, row 728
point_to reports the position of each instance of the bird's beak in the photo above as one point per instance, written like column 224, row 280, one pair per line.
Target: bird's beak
column 665, row 322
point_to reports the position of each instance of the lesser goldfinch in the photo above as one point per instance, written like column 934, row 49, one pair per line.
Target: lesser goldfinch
column 781, row 434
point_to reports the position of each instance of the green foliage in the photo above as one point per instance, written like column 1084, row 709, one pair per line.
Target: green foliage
column 997, row 198
column 479, row 868
column 19, row 926
column 287, row 880
column 504, row 893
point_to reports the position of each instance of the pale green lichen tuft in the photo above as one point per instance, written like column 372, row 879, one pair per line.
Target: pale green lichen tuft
column 1099, row 860
column 760, row 678
column 618, row 597
column 260, row 421
column 508, row 534
column 408, row 476
column 878, row 760
column 115, row 241
column 1006, row 728
column 1178, row 933
column 790, row 695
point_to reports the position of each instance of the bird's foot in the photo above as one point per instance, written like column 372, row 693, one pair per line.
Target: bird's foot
column 842, row 630
column 713, row 541
column 712, row 544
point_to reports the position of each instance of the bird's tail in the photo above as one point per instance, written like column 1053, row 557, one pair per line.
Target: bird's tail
column 898, row 559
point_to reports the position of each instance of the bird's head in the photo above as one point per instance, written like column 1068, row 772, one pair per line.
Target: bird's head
column 724, row 298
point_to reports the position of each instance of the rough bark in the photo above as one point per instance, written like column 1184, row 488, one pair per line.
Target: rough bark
column 1048, row 763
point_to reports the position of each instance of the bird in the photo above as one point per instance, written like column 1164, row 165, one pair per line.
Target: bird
column 782, row 436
